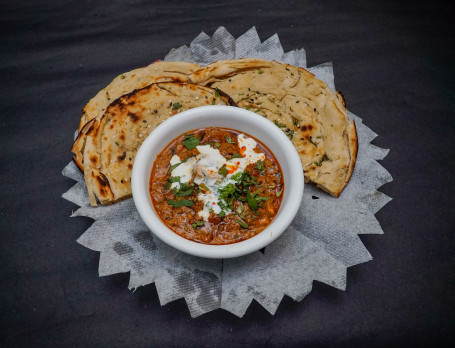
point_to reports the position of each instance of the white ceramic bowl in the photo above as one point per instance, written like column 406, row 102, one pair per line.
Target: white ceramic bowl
column 228, row 117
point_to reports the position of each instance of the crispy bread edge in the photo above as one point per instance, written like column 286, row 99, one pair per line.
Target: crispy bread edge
column 78, row 146
column 99, row 181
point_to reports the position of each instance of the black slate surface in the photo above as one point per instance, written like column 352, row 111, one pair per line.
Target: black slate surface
column 394, row 63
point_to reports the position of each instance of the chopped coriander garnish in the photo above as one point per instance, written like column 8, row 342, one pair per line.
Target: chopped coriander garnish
column 324, row 158
column 229, row 140
column 278, row 193
column 181, row 203
column 260, row 71
column 170, row 181
column 289, row 133
column 116, row 143
column 253, row 200
column 173, row 167
column 122, row 77
column 176, row 106
column 184, row 190
column 227, row 195
column 223, row 171
column 204, row 187
column 190, row 141
column 217, row 145
column 247, row 107
column 237, row 176
column 217, row 93
column 236, row 155
column 260, row 167
column 197, row 224
column 241, row 223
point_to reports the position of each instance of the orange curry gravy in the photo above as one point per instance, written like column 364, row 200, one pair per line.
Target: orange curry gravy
column 250, row 204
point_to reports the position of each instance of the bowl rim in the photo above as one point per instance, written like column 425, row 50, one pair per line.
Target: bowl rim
column 208, row 114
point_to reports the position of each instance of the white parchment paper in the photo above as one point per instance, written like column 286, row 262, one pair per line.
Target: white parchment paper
column 319, row 245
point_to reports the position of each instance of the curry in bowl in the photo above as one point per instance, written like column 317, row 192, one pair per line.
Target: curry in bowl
column 216, row 186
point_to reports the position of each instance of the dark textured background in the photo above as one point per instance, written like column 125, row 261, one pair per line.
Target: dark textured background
column 394, row 63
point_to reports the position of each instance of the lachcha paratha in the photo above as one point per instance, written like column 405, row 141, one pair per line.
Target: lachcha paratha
column 311, row 115
column 158, row 71
column 113, row 140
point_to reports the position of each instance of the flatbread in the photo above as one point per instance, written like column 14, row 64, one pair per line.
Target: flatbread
column 113, row 140
column 311, row 115
column 125, row 83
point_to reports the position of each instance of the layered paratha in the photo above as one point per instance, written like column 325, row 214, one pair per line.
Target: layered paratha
column 113, row 140
column 121, row 85
column 311, row 115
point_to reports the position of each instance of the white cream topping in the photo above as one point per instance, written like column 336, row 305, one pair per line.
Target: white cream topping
column 174, row 160
column 185, row 170
column 205, row 166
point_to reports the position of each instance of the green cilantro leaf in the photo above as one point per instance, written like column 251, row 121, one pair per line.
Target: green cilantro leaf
column 176, row 106
column 197, row 224
column 181, row 203
column 260, row 166
column 253, row 200
column 278, row 124
column 241, row 223
column 190, row 142
column 184, row 190
column 229, row 140
column 173, row 167
column 170, row 181
column 324, row 158
column 237, row 176
column 204, row 187
column 223, row 171
column 290, row 134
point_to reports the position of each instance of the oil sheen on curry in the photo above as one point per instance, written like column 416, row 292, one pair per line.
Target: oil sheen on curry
column 216, row 186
